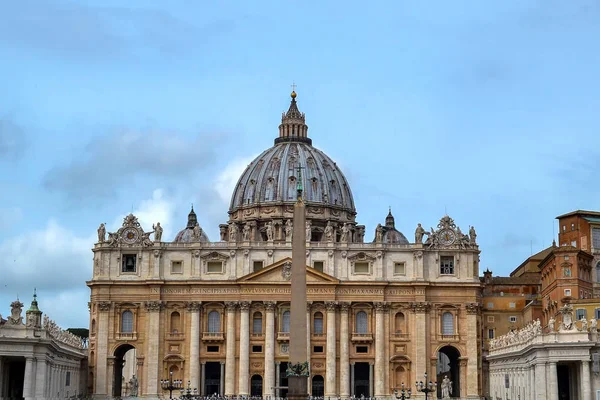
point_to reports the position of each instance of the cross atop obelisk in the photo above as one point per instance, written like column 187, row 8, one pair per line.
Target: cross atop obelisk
column 298, row 369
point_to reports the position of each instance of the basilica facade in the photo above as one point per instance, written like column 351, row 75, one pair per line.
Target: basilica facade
column 381, row 310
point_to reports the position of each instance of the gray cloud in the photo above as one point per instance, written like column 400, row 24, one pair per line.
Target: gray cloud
column 108, row 162
column 13, row 140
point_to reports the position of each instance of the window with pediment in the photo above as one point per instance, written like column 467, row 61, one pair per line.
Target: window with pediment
column 318, row 323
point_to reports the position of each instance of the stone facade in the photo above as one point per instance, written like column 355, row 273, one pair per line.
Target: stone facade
column 379, row 314
column 38, row 360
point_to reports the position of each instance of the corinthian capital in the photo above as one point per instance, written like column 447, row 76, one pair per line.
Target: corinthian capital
column 420, row 307
column 381, row 306
column 231, row 305
column 244, row 305
column 331, row 305
column 270, row 305
column 193, row 306
column 104, row 305
column 154, row 306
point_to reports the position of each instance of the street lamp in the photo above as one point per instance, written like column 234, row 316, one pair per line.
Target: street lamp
column 426, row 387
column 188, row 393
column 404, row 393
column 170, row 384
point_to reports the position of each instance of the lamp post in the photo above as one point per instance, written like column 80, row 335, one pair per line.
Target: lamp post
column 170, row 384
column 188, row 393
column 426, row 387
column 403, row 394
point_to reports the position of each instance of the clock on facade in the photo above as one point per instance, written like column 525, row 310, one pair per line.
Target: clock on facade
column 130, row 235
column 447, row 237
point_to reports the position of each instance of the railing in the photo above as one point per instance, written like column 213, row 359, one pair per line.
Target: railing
column 257, row 335
column 401, row 336
column 126, row 336
column 448, row 338
column 283, row 336
column 361, row 337
column 175, row 336
column 213, row 336
column 318, row 335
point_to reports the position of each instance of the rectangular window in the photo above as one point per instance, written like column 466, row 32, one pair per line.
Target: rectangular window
column 491, row 318
column 597, row 313
column 447, row 265
column 490, row 305
column 399, row 268
column 580, row 313
column 596, row 238
column 490, row 333
column 257, row 265
column 574, row 243
column 564, row 228
column 176, row 267
column 212, row 349
column 512, row 318
column 362, row 349
column 214, row 267
column 68, row 379
column 361, row 267
column 512, row 305
column 257, row 349
column 318, row 265
column 566, row 257
column 129, row 262
column 567, row 292
column 572, row 227
column 317, row 349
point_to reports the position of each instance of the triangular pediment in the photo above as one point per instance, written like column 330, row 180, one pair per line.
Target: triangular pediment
column 279, row 272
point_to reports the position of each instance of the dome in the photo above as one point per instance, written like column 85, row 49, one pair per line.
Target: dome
column 187, row 235
column 272, row 178
column 390, row 234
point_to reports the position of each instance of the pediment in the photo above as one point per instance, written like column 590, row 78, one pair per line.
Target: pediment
column 361, row 256
column 214, row 256
column 280, row 271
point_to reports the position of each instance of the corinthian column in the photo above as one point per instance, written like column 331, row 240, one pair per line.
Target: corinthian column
column 472, row 353
column 330, row 389
column 102, row 309
column 153, row 309
column 29, row 381
column 586, row 386
column 230, row 349
column 379, row 349
column 344, row 353
column 420, row 355
column 269, row 350
column 194, row 310
column 244, row 367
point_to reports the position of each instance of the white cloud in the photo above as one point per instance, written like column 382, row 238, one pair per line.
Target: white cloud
column 227, row 179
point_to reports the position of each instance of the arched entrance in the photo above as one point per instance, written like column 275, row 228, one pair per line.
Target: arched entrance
column 318, row 386
column 123, row 370
column 256, row 384
column 448, row 366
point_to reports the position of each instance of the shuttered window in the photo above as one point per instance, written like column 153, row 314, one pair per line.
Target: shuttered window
column 447, row 324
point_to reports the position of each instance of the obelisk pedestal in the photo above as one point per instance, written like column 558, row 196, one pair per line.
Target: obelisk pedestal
column 298, row 379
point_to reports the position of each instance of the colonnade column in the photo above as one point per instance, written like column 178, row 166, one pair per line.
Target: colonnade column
column 244, row 367
column 379, row 349
column 194, row 311
column 153, row 309
column 222, row 381
column 472, row 353
column 540, row 377
column 29, row 381
column 40, row 379
column 420, row 353
column 552, row 381
column 102, row 310
column 269, row 380
column 344, row 353
column 230, row 349
column 586, row 385
column 330, row 364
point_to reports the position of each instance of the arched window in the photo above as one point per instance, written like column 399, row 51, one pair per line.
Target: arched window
column 361, row 322
column 285, row 321
column 127, row 322
column 447, row 324
column 318, row 323
column 400, row 323
column 175, row 322
column 257, row 323
column 214, row 322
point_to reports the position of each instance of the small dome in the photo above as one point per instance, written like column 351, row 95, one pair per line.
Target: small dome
column 390, row 233
column 187, row 235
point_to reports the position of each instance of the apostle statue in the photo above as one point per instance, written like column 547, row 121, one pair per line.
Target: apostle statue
column 196, row 232
column 446, row 387
column 158, row 230
column 593, row 325
column 233, row 232
column 308, row 231
column 246, row 232
column 419, row 232
column 329, row 232
column 289, row 229
column 269, row 229
column 345, row 233
column 379, row 234
column 551, row 322
column 133, row 383
column 101, row 233
column 472, row 235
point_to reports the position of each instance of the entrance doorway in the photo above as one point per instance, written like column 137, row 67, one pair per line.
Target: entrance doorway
column 12, row 384
column 361, row 379
column 448, row 366
column 122, row 353
column 567, row 375
column 283, row 380
column 318, row 386
column 256, row 383
column 212, row 378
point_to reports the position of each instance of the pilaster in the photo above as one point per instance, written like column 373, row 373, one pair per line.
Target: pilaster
column 194, row 311
column 344, row 351
column 102, row 308
column 379, row 349
column 244, row 364
column 230, row 349
column 330, row 360
column 269, row 379
column 153, row 309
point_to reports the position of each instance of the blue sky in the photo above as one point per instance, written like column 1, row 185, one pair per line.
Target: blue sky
column 488, row 110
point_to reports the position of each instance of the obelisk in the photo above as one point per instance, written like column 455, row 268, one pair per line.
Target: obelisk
column 298, row 371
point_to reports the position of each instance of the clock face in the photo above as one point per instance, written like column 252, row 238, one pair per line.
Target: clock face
column 447, row 237
column 130, row 235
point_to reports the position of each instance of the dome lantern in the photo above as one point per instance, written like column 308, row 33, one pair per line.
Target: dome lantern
column 293, row 126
